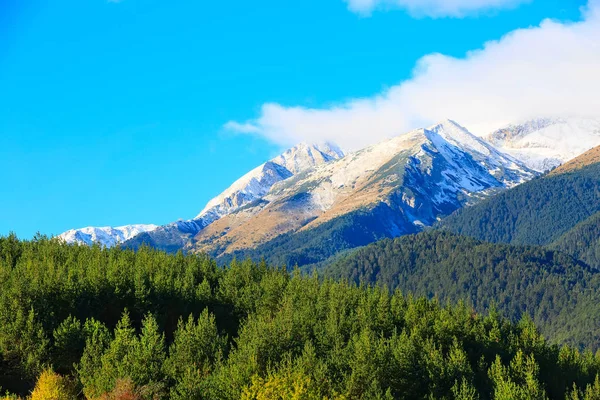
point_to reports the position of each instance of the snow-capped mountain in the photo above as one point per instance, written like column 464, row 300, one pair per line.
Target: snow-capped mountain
column 400, row 185
column 416, row 178
column 247, row 190
column 257, row 183
column 545, row 143
column 106, row 236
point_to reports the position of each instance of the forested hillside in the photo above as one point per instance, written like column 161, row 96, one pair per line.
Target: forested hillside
column 80, row 322
column 314, row 246
column 560, row 207
column 561, row 294
column 582, row 241
column 534, row 213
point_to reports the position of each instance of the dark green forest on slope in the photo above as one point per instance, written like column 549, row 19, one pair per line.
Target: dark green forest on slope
column 561, row 294
column 80, row 322
column 582, row 241
column 318, row 245
column 560, row 211
column 538, row 212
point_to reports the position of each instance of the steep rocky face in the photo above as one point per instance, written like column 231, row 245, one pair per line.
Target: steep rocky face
column 545, row 143
column 419, row 176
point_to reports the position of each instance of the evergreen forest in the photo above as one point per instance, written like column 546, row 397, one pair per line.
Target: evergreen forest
column 560, row 211
column 80, row 322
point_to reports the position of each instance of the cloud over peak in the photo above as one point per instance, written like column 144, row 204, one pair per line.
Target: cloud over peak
column 549, row 70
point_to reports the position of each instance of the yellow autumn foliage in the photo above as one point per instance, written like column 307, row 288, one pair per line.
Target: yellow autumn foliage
column 277, row 388
column 52, row 386
column 286, row 385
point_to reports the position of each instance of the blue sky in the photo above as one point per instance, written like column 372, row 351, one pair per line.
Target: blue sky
column 113, row 113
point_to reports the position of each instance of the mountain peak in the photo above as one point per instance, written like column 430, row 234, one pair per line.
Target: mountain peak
column 399, row 185
column 460, row 136
column 330, row 148
column 439, row 168
column 307, row 155
column 257, row 183
column 446, row 123
column 106, row 236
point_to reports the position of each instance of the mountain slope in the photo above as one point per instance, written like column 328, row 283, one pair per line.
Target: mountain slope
column 395, row 187
column 259, row 181
column 561, row 294
column 248, row 189
column 309, row 247
column 588, row 158
column 105, row 236
column 545, row 143
column 582, row 241
column 542, row 143
column 537, row 212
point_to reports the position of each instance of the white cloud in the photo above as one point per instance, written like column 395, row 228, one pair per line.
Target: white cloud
column 433, row 8
column 242, row 128
column 550, row 70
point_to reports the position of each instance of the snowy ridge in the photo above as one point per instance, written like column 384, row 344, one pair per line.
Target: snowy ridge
column 105, row 236
column 544, row 143
column 247, row 189
column 257, row 183
column 303, row 156
column 460, row 149
column 508, row 170
column 419, row 177
column 459, row 136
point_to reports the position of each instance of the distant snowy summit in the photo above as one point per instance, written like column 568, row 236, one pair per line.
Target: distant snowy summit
column 105, row 236
column 545, row 143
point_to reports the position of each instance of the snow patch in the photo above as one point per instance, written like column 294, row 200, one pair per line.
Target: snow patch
column 544, row 143
column 105, row 236
column 258, row 182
